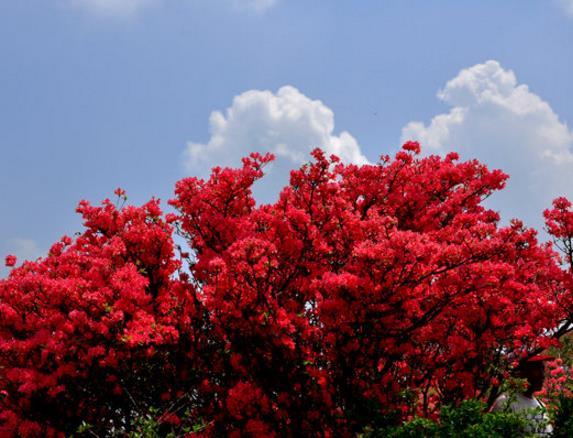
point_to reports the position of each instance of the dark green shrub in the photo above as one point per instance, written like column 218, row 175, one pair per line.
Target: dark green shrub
column 497, row 424
column 468, row 420
column 563, row 421
column 454, row 420
column 418, row 427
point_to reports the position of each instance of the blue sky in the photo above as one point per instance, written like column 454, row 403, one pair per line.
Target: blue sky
column 96, row 94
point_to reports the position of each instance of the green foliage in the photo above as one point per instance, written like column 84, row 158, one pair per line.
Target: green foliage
column 498, row 424
column 149, row 424
column 84, row 428
column 467, row 420
column 416, row 428
column 563, row 421
column 146, row 426
column 454, row 420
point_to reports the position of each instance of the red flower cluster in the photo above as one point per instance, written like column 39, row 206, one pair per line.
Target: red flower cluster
column 95, row 326
column 363, row 291
column 10, row 260
column 557, row 383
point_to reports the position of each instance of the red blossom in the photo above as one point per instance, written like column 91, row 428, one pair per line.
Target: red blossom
column 316, row 313
column 412, row 146
column 119, row 192
column 10, row 260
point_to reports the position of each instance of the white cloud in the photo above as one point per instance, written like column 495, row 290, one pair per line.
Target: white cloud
column 504, row 124
column 288, row 124
column 567, row 6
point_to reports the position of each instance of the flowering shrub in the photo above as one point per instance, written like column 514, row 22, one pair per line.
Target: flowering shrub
column 363, row 292
column 93, row 331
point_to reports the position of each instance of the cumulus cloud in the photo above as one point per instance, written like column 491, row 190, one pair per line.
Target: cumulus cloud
column 287, row 123
column 504, row 124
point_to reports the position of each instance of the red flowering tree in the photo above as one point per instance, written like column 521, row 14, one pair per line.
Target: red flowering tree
column 363, row 291
column 93, row 332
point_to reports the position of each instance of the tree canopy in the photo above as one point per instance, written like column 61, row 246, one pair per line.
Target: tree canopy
column 362, row 292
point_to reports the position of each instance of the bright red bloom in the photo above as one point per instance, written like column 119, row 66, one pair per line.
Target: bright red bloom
column 10, row 260
column 364, row 290
column 412, row 146
column 119, row 192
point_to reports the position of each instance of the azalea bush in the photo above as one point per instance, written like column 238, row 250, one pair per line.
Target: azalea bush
column 363, row 294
